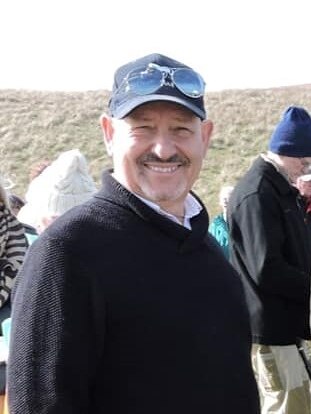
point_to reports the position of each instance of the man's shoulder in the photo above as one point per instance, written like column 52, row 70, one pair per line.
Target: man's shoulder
column 254, row 174
column 79, row 221
column 262, row 177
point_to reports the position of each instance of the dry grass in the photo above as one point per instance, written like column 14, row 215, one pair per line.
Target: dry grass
column 37, row 125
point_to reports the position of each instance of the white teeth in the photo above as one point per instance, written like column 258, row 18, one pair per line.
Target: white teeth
column 162, row 169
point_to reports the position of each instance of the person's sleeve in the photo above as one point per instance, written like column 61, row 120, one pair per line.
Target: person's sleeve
column 57, row 333
column 258, row 239
column 13, row 244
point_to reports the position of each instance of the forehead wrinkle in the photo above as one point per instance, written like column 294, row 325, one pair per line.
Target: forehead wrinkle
column 140, row 116
column 148, row 114
column 148, row 110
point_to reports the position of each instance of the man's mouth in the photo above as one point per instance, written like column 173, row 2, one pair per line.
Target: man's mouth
column 162, row 169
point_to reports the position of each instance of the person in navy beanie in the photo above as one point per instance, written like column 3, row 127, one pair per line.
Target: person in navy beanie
column 270, row 248
column 126, row 304
column 292, row 136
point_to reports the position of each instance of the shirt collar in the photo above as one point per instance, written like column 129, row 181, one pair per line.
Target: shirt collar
column 192, row 208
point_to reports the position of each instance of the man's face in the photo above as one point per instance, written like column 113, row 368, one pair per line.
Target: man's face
column 295, row 167
column 158, row 151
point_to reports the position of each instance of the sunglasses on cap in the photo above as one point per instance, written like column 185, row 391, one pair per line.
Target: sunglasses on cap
column 145, row 81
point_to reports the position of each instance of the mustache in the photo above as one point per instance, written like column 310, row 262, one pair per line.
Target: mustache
column 150, row 157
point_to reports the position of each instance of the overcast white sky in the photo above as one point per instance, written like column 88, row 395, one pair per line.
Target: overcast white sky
column 77, row 44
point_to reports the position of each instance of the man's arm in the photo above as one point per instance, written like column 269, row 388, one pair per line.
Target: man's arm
column 258, row 238
column 53, row 348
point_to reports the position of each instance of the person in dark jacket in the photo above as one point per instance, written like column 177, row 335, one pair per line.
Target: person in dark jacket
column 125, row 304
column 271, row 250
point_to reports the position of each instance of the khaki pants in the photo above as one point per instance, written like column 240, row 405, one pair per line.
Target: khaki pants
column 283, row 382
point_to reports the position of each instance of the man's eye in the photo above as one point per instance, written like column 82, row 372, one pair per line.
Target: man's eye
column 183, row 130
column 142, row 127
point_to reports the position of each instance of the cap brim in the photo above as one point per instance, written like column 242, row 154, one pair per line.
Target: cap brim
column 130, row 105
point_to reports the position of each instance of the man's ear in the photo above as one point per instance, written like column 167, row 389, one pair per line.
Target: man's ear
column 107, row 128
column 207, row 129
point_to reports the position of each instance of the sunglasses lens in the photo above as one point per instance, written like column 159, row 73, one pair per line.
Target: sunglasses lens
column 189, row 82
column 144, row 81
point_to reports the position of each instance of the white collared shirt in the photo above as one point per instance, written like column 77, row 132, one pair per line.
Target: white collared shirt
column 192, row 208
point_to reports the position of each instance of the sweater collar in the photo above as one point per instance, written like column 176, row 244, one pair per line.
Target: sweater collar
column 187, row 239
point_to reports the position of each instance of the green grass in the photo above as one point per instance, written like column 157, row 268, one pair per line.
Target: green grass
column 37, row 125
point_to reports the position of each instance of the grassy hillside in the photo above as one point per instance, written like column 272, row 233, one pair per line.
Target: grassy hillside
column 37, row 125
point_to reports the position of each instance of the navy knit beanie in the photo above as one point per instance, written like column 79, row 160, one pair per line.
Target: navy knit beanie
column 292, row 135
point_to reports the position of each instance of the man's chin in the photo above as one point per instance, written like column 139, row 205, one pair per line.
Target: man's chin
column 160, row 197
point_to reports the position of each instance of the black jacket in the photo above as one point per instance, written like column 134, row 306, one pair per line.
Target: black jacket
column 271, row 249
column 120, row 310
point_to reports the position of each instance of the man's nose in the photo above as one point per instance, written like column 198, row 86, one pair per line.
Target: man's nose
column 164, row 147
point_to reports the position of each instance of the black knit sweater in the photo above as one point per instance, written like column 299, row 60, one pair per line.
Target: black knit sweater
column 120, row 310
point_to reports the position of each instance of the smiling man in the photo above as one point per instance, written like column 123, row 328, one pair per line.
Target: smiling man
column 125, row 304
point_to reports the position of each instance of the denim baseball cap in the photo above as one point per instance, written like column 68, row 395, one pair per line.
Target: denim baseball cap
column 156, row 77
